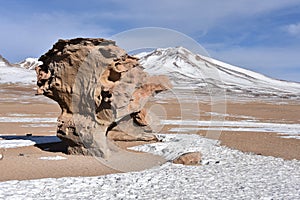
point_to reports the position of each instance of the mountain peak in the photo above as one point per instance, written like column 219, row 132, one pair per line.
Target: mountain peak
column 4, row 62
column 185, row 68
column 168, row 52
column 30, row 63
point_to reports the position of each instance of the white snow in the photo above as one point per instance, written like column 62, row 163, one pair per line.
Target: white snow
column 225, row 174
column 2, row 63
column 229, row 115
column 38, row 125
column 247, row 126
column 30, row 63
column 53, row 158
column 15, row 143
column 173, row 145
column 15, row 75
column 20, row 115
column 20, row 73
column 28, row 119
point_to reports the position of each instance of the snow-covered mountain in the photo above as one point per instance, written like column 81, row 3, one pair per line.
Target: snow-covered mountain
column 186, row 70
column 206, row 75
column 30, row 63
column 19, row 73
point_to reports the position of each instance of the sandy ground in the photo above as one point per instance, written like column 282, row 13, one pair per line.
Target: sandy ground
column 262, row 143
column 24, row 163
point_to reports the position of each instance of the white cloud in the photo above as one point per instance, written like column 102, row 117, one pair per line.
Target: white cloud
column 35, row 34
column 293, row 29
column 194, row 14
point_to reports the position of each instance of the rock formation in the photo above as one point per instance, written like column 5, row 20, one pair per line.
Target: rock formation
column 101, row 91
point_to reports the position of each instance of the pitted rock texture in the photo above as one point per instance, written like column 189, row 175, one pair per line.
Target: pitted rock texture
column 100, row 88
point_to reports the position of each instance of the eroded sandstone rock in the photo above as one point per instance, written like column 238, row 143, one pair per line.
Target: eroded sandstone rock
column 100, row 89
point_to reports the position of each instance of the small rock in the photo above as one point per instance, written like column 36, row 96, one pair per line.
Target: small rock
column 122, row 136
column 191, row 158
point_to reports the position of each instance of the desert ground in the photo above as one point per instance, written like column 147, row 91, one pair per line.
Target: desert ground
column 26, row 116
column 258, row 141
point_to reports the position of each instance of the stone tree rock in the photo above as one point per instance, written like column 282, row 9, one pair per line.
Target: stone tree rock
column 100, row 89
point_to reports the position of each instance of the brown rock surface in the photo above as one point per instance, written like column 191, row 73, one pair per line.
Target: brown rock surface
column 100, row 88
column 192, row 158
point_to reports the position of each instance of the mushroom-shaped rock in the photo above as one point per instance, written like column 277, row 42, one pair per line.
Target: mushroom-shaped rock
column 99, row 88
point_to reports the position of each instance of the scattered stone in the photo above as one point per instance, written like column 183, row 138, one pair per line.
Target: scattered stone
column 191, row 158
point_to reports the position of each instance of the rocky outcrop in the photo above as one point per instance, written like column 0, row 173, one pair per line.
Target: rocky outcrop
column 101, row 91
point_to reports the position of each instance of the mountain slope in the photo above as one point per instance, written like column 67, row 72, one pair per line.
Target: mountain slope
column 188, row 70
column 19, row 73
column 30, row 63
column 4, row 62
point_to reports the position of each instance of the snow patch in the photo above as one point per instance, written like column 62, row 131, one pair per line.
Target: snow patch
column 15, row 143
column 53, row 158
column 37, row 125
column 174, row 145
column 30, row 63
column 20, row 115
column 237, row 175
column 247, row 126
column 28, row 119
column 13, row 75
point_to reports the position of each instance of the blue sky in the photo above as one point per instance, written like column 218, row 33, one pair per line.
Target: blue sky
column 261, row 35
